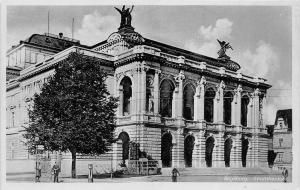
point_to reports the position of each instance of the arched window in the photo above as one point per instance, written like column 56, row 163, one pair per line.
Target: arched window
column 127, row 93
column 244, row 109
column 166, row 96
column 209, row 104
column 228, row 97
column 188, row 102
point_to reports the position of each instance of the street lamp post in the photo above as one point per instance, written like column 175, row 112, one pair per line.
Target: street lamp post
column 36, row 139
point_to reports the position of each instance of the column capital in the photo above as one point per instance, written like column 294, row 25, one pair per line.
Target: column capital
column 157, row 71
column 202, row 81
column 180, row 77
column 256, row 92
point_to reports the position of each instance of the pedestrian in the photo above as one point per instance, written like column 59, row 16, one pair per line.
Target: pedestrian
column 38, row 172
column 175, row 173
column 55, row 171
column 285, row 174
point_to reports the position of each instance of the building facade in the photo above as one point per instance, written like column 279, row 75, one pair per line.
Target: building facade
column 184, row 109
column 283, row 139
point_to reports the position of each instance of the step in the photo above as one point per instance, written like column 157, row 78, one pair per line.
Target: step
column 221, row 171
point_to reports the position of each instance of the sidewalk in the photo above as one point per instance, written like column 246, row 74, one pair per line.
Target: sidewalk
column 153, row 178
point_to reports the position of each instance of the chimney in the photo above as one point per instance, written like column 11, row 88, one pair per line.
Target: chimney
column 60, row 35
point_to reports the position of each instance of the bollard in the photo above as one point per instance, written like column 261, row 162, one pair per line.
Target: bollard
column 90, row 179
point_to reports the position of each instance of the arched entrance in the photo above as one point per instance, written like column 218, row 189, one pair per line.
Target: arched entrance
column 188, row 150
column 125, row 145
column 166, row 150
column 245, row 145
column 227, row 150
column 209, row 147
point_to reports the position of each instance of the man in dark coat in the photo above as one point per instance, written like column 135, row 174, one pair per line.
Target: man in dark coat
column 175, row 174
column 55, row 171
column 285, row 174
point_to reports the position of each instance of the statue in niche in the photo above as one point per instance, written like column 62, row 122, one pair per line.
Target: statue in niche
column 224, row 47
column 125, row 16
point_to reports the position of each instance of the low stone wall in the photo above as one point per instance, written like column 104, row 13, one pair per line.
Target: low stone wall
column 20, row 166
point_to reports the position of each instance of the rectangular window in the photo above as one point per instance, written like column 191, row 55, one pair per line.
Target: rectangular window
column 280, row 142
column 280, row 157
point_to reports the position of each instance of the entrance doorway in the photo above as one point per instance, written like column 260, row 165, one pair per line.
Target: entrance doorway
column 166, row 150
column 245, row 145
column 124, row 137
column 188, row 150
column 227, row 151
column 209, row 147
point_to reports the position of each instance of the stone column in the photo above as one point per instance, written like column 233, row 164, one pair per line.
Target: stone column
column 256, row 110
column 174, row 101
column 178, row 149
column 236, row 107
column 142, row 91
column 156, row 95
column 199, row 100
column 250, row 113
column 121, row 99
column 179, row 103
column 135, row 92
column 218, row 104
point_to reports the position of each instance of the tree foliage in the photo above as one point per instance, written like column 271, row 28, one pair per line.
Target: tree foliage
column 74, row 111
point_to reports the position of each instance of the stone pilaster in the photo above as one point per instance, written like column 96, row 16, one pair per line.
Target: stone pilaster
column 142, row 90
column 218, row 104
column 218, row 153
column 178, row 149
column 197, row 150
column 199, row 100
column 236, row 152
column 256, row 111
column 179, row 102
column 121, row 99
column 250, row 113
column 156, row 92
column 236, row 107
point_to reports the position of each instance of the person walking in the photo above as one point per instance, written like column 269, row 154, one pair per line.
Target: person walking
column 55, row 171
column 285, row 174
column 38, row 172
column 175, row 174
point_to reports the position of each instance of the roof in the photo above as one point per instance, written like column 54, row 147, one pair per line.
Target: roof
column 286, row 114
column 231, row 65
column 52, row 41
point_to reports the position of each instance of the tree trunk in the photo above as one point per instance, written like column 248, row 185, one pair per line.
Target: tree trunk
column 73, row 172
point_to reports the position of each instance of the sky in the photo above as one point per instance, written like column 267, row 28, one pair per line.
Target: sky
column 261, row 36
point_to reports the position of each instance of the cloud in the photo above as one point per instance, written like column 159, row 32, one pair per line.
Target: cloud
column 278, row 97
column 222, row 29
column 262, row 62
column 96, row 27
column 209, row 35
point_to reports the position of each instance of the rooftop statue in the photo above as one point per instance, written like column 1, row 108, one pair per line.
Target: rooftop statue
column 125, row 16
column 222, row 51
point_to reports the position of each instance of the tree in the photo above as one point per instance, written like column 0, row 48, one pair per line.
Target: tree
column 74, row 111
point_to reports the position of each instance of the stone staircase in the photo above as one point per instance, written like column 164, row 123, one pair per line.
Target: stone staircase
column 222, row 171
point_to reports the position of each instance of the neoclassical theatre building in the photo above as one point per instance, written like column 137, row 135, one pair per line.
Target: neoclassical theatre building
column 184, row 109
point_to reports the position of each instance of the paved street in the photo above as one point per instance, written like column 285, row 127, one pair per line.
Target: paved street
column 155, row 178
